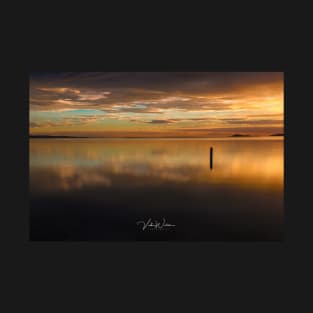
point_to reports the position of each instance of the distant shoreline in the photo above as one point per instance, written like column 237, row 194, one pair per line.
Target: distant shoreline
column 52, row 137
column 196, row 137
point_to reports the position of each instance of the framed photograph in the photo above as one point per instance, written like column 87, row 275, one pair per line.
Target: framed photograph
column 156, row 156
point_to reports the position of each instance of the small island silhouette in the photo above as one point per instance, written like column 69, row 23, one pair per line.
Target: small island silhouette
column 240, row 135
column 278, row 135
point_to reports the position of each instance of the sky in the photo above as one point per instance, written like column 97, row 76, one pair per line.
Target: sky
column 156, row 104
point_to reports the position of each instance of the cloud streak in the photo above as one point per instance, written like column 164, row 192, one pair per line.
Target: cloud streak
column 174, row 99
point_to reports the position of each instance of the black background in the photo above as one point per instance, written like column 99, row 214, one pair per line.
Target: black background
column 158, row 276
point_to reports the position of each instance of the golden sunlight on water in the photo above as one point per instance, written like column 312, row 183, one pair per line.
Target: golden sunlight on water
column 73, row 164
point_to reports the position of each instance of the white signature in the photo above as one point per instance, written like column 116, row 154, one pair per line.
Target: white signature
column 154, row 224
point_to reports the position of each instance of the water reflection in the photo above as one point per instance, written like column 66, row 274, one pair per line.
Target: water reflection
column 66, row 164
column 96, row 189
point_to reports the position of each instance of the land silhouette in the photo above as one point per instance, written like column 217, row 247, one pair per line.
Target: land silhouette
column 173, row 137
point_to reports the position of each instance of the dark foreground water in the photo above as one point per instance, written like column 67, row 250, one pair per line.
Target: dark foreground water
column 98, row 189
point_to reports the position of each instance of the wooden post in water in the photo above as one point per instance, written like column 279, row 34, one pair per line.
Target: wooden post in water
column 211, row 158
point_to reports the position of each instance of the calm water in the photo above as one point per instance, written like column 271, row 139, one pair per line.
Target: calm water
column 97, row 189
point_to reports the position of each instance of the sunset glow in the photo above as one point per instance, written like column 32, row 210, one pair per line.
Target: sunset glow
column 167, row 104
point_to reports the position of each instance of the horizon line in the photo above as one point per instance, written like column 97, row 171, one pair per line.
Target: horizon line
column 133, row 137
